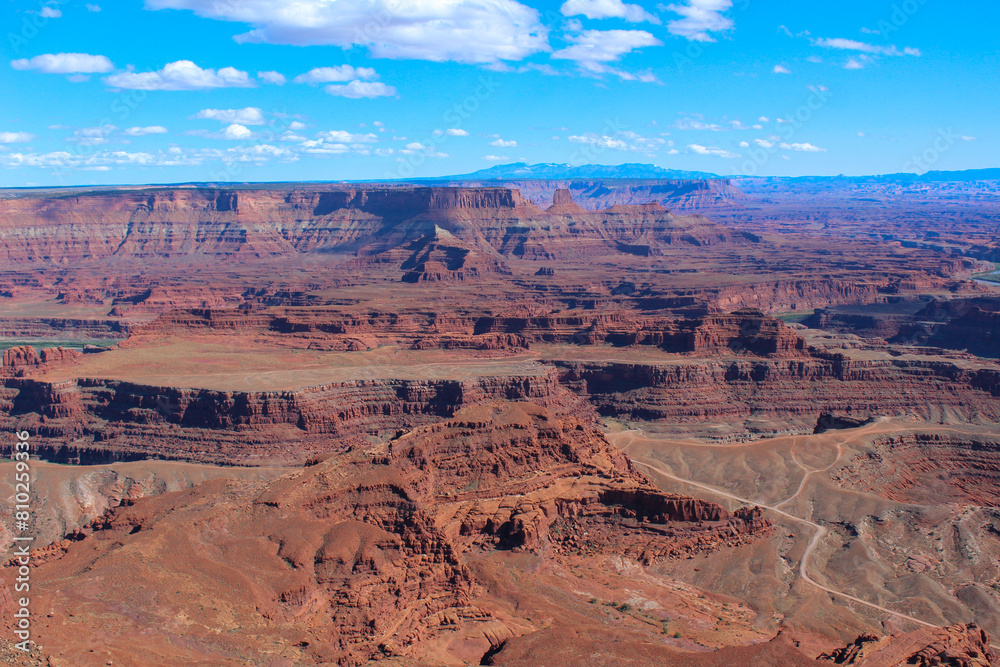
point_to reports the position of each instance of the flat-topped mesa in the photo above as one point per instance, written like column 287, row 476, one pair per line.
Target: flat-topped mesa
column 519, row 476
column 24, row 359
column 154, row 225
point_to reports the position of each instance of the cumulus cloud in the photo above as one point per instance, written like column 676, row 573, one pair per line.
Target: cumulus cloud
column 700, row 17
column 92, row 136
column 277, row 78
column 247, row 116
column 65, row 63
column 181, row 75
column 50, row 12
column 607, row 9
column 470, row 31
column 500, row 143
column 696, row 124
column 711, row 150
column 15, row 137
column 335, row 74
column 605, row 45
column 359, row 89
column 142, row 131
column 621, row 141
column 802, row 148
column 781, row 69
column 172, row 157
column 592, row 50
column 344, row 137
column 495, row 158
column 237, row 132
column 93, row 8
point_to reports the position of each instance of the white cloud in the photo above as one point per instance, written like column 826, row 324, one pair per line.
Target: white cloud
column 450, row 132
column 701, row 17
column 277, row 78
column 15, row 137
column 962, row 137
column 764, row 119
column 711, row 150
column 358, row 89
column 247, row 116
column 237, row 132
column 781, row 69
column 92, row 136
column 764, row 143
column 802, row 148
column 863, row 47
column 335, row 74
column 593, row 49
column 622, row 141
column 471, row 31
column 605, row 45
column 606, row 9
column 696, row 124
column 296, row 125
column 744, row 144
column 500, row 143
column 65, row 63
column 50, row 12
column 344, row 137
column 93, row 8
column 142, row 131
column 495, row 158
column 854, row 63
column 181, row 75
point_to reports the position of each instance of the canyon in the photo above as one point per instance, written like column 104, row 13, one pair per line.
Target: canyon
column 574, row 421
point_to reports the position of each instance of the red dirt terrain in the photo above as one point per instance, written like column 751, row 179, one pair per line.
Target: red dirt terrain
column 503, row 423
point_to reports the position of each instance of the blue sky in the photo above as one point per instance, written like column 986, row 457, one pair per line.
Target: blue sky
column 273, row 90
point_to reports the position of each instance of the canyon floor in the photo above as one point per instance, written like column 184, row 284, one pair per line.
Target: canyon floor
column 298, row 425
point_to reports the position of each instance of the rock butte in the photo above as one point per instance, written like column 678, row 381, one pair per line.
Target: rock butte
column 514, row 423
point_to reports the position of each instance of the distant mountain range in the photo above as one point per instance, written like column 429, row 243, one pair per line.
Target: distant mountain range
column 550, row 171
column 519, row 171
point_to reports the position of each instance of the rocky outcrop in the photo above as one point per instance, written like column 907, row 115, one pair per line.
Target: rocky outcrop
column 109, row 420
column 785, row 391
column 363, row 555
column 24, row 359
column 962, row 645
column 247, row 224
column 746, row 332
column 517, row 476
column 921, row 467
